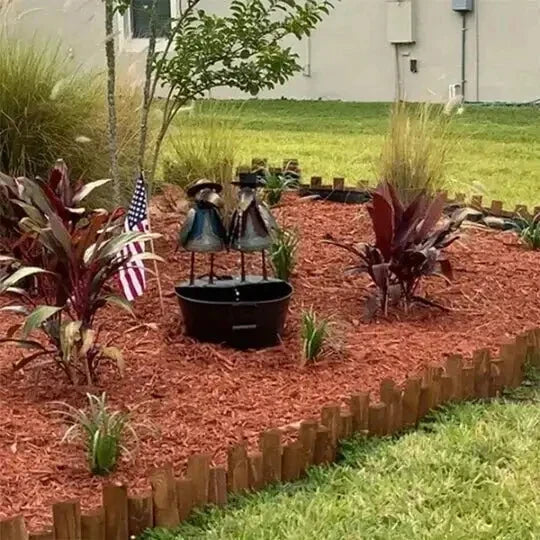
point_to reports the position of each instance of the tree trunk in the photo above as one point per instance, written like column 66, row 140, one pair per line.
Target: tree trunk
column 111, row 96
column 157, row 150
column 147, row 94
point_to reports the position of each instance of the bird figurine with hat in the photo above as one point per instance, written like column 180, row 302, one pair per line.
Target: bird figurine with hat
column 203, row 231
column 251, row 223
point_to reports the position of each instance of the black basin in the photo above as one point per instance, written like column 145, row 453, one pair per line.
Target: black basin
column 248, row 314
column 350, row 196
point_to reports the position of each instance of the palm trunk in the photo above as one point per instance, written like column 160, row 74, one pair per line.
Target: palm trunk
column 111, row 96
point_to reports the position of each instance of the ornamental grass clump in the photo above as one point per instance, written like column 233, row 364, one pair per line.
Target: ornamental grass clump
column 50, row 108
column 314, row 335
column 283, row 252
column 416, row 149
column 103, row 432
column 410, row 240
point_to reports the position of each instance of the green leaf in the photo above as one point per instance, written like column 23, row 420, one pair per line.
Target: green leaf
column 61, row 235
column 88, row 340
column 115, row 354
column 114, row 246
column 104, row 452
column 38, row 317
column 88, row 188
column 16, row 309
column 7, row 258
column 69, row 336
column 32, row 212
column 146, row 256
column 21, row 274
column 120, row 302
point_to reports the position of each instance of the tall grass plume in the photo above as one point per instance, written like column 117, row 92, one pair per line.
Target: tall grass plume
column 49, row 109
column 416, row 149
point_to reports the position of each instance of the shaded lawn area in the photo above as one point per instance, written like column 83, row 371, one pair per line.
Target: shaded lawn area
column 472, row 471
column 496, row 153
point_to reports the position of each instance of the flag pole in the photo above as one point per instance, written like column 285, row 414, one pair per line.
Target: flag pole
column 152, row 247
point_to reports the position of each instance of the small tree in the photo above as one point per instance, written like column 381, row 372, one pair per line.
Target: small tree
column 244, row 49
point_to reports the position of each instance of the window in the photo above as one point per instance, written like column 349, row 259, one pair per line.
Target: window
column 140, row 17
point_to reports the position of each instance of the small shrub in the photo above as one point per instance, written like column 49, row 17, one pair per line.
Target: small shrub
column 529, row 231
column 205, row 145
column 283, row 251
column 409, row 244
column 102, row 432
column 80, row 255
column 277, row 185
column 416, row 148
column 314, row 335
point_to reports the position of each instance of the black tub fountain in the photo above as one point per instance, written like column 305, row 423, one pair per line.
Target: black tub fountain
column 244, row 311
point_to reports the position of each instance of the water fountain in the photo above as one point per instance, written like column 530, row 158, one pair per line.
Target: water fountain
column 245, row 311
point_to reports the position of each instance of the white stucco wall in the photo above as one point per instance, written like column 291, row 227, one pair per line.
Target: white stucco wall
column 351, row 58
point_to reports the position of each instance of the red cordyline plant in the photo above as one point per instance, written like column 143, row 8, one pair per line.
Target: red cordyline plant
column 21, row 197
column 409, row 244
column 82, row 253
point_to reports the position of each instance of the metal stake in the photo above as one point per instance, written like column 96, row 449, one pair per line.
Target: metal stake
column 211, row 278
column 265, row 273
column 242, row 263
column 192, row 271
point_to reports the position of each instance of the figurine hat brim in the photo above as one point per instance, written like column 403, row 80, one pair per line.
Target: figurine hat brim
column 203, row 184
column 249, row 180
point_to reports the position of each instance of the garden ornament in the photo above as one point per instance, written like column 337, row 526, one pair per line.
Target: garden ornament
column 252, row 222
column 203, row 230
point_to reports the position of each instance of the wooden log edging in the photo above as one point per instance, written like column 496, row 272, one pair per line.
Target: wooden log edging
column 494, row 208
column 317, row 442
column 356, row 193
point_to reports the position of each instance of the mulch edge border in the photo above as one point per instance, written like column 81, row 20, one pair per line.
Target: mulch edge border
column 495, row 208
column 172, row 499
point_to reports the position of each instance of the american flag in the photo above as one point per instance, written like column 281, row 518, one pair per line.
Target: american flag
column 132, row 276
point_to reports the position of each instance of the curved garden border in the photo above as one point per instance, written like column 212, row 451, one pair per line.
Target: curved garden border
column 315, row 442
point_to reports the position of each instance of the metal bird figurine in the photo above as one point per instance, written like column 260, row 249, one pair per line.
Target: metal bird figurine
column 203, row 231
column 251, row 223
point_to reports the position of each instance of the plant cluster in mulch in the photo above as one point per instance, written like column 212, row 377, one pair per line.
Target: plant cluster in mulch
column 188, row 397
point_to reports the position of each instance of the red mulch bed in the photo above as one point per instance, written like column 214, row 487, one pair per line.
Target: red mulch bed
column 189, row 397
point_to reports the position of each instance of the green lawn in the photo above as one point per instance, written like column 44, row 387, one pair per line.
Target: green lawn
column 497, row 149
column 472, row 472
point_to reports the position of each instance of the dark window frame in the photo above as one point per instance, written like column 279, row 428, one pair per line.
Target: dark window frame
column 139, row 26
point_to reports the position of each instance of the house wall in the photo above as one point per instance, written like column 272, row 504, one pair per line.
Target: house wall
column 349, row 56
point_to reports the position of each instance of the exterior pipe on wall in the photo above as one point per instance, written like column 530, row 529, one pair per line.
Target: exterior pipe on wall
column 477, row 50
column 307, row 67
column 463, row 44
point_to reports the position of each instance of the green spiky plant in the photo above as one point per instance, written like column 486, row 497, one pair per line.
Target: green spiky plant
column 314, row 335
column 415, row 152
column 529, row 231
column 276, row 185
column 283, row 252
column 102, row 431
